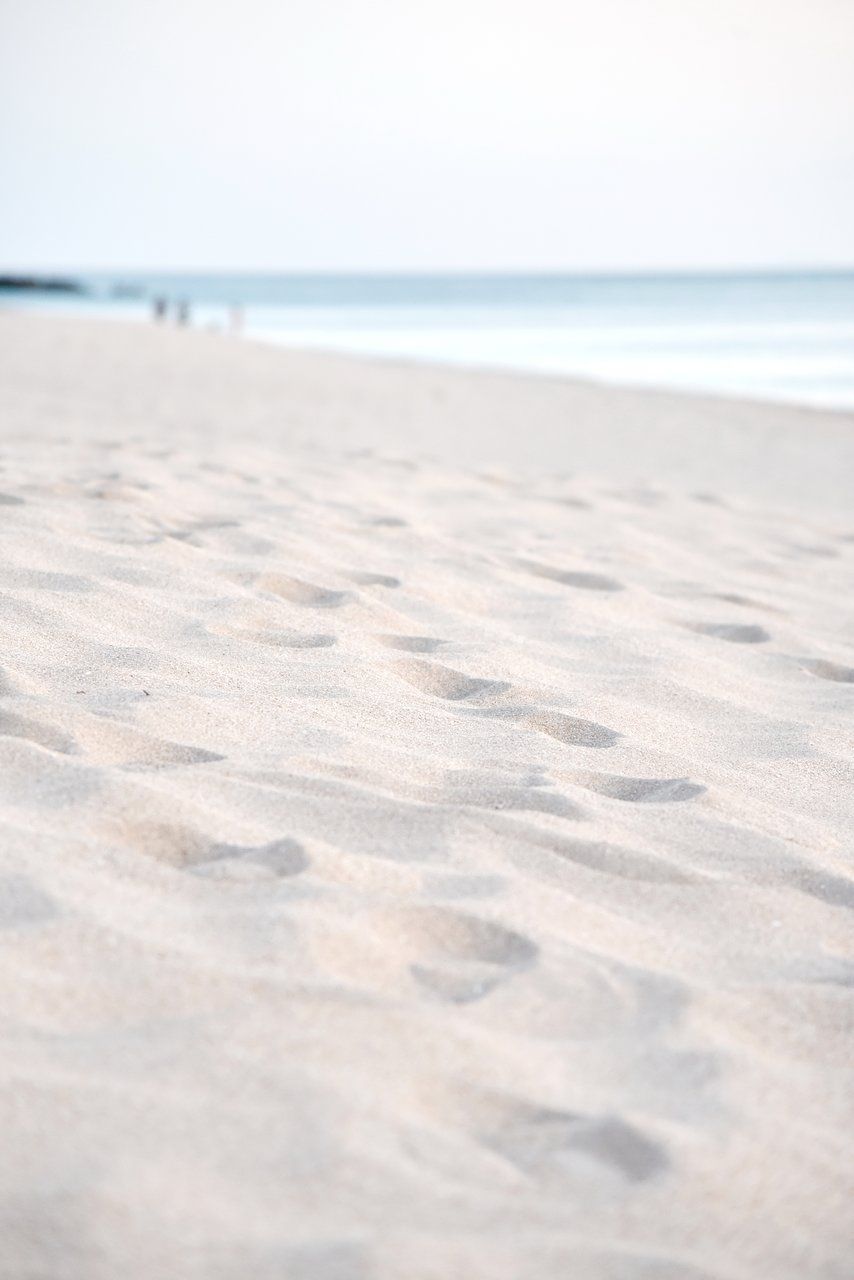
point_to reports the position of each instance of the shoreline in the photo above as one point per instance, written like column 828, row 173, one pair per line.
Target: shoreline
column 709, row 378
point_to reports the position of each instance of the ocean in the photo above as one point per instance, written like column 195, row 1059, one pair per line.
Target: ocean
column 778, row 336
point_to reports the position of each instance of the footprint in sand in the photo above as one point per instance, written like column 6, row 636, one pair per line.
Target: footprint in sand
column 187, row 848
column 815, row 882
column 578, row 504
column 283, row 639
column 374, row 580
column 444, row 682
column 797, row 549
column 241, row 863
column 571, row 730
column 297, row 591
column 615, row 860
column 551, row 1144
column 826, row 670
column 639, row 790
column 386, row 522
column 735, row 633
column 454, row 956
column 710, row 499
column 745, row 602
column 572, row 578
column 411, row 644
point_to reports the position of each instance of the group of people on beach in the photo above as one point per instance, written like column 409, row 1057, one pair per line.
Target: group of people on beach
column 164, row 308
column 161, row 307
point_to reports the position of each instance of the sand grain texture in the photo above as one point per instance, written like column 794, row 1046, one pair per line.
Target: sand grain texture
column 418, row 864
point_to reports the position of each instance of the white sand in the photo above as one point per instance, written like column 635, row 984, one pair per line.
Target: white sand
column 426, row 822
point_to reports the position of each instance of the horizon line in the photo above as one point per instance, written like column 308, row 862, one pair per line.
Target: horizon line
column 433, row 272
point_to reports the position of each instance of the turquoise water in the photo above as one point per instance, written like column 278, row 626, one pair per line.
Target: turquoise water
column 775, row 336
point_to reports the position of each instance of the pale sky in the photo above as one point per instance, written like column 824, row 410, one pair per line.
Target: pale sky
column 426, row 134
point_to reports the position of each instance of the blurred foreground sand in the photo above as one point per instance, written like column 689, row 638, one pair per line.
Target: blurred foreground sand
column 425, row 822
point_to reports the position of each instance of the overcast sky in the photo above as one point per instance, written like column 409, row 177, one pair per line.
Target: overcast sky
column 301, row 134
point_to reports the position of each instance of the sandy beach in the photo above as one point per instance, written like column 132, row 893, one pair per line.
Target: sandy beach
column 426, row 816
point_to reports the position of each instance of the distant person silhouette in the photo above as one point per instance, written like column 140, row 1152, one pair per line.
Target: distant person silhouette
column 159, row 308
column 182, row 314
